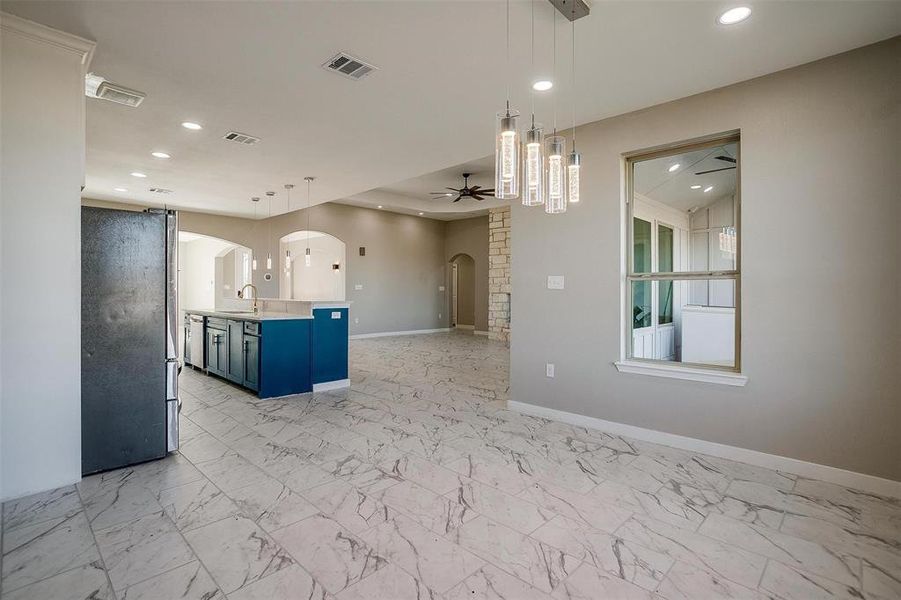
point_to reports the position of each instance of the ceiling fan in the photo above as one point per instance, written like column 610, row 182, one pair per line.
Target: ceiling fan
column 475, row 192
column 728, row 159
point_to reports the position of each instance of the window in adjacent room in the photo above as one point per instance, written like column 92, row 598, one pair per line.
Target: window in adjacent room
column 683, row 269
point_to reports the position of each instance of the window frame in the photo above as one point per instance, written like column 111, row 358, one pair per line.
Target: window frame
column 730, row 375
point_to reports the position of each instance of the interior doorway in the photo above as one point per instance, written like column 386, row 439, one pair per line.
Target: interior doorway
column 462, row 292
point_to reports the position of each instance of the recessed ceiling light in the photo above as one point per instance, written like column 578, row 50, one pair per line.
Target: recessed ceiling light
column 542, row 85
column 708, row 188
column 160, row 155
column 136, row 174
column 420, row 214
column 695, row 187
column 734, row 15
column 120, row 189
column 380, row 206
column 191, row 126
column 674, row 167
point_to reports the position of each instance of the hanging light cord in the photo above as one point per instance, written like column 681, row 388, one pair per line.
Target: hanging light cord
column 555, row 69
column 508, row 58
column 309, row 182
column 573, row 66
column 532, row 44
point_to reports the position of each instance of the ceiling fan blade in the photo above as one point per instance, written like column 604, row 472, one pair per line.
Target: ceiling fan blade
column 478, row 197
column 474, row 188
column 455, row 189
column 726, row 158
column 488, row 191
column 438, row 193
column 457, row 199
column 714, row 170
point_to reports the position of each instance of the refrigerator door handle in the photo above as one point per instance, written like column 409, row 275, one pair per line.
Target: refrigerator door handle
column 172, row 379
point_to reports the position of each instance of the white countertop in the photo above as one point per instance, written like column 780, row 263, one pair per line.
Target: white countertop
column 249, row 316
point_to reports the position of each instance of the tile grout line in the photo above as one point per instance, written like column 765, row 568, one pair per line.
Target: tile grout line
column 96, row 545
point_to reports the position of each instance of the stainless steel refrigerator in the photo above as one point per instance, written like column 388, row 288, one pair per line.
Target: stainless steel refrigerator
column 129, row 362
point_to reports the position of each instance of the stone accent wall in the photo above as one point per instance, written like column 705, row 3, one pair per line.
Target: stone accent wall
column 499, row 274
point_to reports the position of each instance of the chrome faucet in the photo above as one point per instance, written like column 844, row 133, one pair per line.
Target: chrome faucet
column 254, row 288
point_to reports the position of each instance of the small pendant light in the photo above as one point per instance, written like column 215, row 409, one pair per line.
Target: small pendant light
column 555, row 148
column 533, row 165
column 269, row 255
column 308, row 259
column 506, row 147
column 255, row 200
column 574, row 164
column 288, row 188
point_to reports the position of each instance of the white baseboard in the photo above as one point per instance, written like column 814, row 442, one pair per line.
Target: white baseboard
column 331, row 385
column 859, row 481
column 477, row 332
column 361, row 336
column 469, row 327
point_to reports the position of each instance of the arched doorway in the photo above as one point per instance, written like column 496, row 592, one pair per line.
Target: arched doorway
column 211, row 270
column 322, row 276
column 462, row 291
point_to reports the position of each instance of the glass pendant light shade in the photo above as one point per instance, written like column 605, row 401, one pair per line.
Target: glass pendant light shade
column 308, row 259
column 555, row 148
column 506, row 170
column 533, row 167
column 287, row 260
column 269, row 262
column 572, row 175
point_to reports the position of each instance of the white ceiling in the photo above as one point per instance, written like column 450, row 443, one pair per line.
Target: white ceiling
column 254, row 67
column 653, row 178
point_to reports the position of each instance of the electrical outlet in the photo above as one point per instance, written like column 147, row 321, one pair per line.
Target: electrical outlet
column 439, row 315
column 358, row 286
column 555, row 282
column 336, row 314
column 440, row 288
column 356, row 320
column 550, row 369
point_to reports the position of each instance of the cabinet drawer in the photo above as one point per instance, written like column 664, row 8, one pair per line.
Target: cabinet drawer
column 215, row 323
column 251, row 328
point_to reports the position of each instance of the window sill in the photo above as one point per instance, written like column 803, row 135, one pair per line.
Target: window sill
column 680, row 372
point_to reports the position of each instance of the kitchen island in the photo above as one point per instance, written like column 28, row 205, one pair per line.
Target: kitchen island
column 272, row 353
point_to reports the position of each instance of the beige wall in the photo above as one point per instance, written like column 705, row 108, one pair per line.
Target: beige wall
column 42, row 96
column 403, row 268
column 470, row 237
column 821, row 253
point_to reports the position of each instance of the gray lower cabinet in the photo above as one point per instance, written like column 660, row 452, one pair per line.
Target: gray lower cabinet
column 234, row 368
column 216, row 351
column 251, row 362
column 233, row 351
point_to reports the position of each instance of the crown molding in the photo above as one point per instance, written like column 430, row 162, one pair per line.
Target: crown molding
column 11, row 24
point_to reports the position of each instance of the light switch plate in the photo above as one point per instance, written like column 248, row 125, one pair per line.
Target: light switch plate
column 336, row 314
column 440, row 288
column 549, row 370
column 358, row 286
column 555, row 282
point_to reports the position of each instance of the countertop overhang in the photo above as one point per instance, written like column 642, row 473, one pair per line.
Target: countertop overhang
column 249, row 315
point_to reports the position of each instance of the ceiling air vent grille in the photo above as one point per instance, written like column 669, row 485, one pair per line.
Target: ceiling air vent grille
column 349, row 66
column 120, row 94
column 241, row 138
column 158, row 190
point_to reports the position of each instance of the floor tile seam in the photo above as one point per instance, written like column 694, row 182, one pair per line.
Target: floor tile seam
column 109, row 581
column 66, row 515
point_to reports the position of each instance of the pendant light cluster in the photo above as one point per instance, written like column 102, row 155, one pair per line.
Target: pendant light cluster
column 308, row 259
column 549, row 176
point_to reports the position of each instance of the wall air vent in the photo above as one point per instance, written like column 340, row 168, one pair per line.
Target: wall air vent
column 347, row 65
column 120, row 94
column 157, row 190
column 240, row 138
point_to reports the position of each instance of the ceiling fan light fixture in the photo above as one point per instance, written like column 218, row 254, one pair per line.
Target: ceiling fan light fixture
column 709, row 188
column 542, row 85
column 695, row 187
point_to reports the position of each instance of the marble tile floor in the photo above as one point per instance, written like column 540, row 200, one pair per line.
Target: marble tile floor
column 417, row 482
